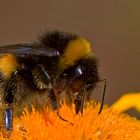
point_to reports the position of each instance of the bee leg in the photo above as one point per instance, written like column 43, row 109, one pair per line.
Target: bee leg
column 80, row 101
column 56, row 105
column 10, row 90
column 77, row 103
column 8, row 120
column 53, row 100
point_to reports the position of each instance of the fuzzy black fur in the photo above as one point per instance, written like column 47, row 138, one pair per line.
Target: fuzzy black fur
column 39, row 69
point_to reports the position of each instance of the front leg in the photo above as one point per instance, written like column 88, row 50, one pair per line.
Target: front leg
column 54, row 100
column 56, row 105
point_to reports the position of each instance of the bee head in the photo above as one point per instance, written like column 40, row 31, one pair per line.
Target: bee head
column 83, row 74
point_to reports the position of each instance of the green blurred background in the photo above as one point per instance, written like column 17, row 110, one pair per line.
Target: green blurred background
column 113, row 26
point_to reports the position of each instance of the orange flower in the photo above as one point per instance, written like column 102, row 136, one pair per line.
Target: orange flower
column 47, row 125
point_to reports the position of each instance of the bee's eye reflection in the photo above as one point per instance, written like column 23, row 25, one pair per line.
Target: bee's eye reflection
column 78, row 71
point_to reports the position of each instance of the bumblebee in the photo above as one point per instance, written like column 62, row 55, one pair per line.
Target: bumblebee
column 38, row 73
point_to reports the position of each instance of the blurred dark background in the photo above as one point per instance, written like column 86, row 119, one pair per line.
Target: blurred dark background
column 113, row 26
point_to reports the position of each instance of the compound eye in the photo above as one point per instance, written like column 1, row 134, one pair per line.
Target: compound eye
column 78, row 71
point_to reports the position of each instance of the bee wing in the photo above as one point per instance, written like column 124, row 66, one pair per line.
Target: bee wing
column 28, row 49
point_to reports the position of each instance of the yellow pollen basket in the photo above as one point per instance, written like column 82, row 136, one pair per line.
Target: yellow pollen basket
column 8, row 64
column 76, row 49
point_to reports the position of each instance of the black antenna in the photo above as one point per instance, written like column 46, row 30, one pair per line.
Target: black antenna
column 103, row 96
